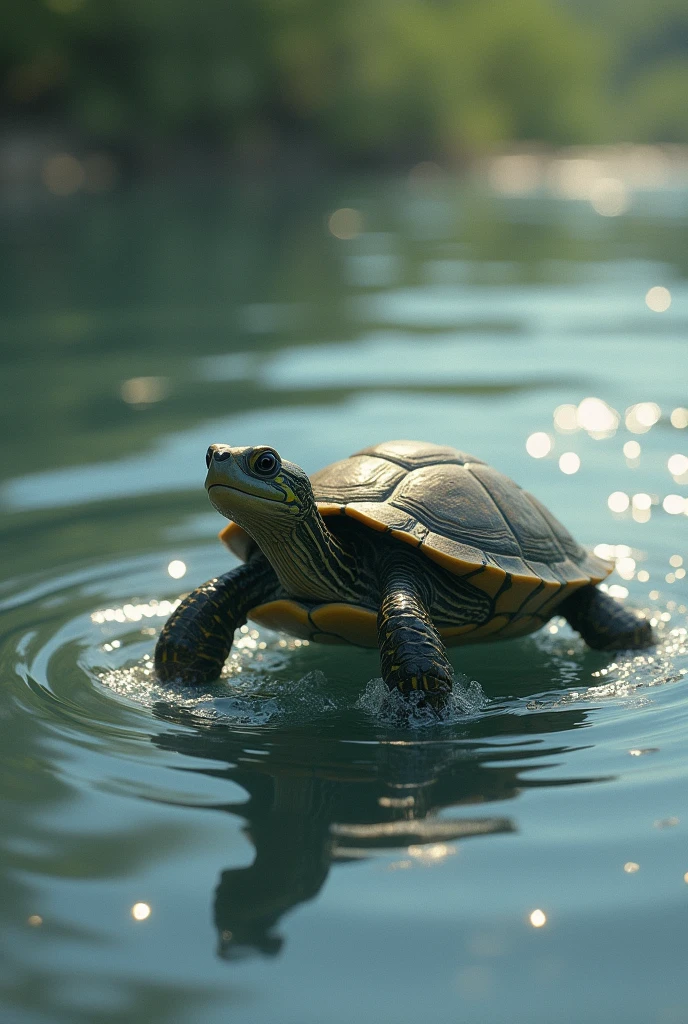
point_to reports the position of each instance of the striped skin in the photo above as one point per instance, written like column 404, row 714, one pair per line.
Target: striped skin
column 198, row 635
column 605, row 624
column 412, row 656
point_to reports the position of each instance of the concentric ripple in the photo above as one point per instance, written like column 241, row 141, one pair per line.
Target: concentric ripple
column 81, row 650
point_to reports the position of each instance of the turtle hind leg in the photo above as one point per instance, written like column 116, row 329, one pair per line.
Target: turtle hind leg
column 604, row 624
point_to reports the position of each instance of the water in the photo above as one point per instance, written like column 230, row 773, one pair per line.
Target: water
column 301, row 848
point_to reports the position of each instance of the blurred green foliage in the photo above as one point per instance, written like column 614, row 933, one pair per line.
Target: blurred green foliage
column 368, row 79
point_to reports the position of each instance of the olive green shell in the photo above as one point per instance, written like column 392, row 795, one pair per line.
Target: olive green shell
column 456, row 510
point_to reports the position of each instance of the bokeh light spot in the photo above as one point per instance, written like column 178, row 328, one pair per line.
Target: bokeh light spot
column 539, row 444
column 677, row 465
column 609, row 197
column 641, row 417
column 618, row 501
column 345, row 223
column 63, row 174
column 566, row 419
column 658, row 299
column 674, row 504
column 538, row 918
column 144, row 390
column 569, row 463
column 140, row 911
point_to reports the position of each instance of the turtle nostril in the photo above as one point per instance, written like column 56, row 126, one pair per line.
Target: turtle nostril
column 219, row 455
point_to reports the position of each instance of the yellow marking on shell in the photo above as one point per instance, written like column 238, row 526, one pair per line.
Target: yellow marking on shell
column 540, row 597
column 328, row 508
column 355, row 625
column 414, row 682
column 361, row 517
column 493, row 626
column 284, row 615
column 512, row 599
column 406, row 537
column 351, row 624
column 521, row 626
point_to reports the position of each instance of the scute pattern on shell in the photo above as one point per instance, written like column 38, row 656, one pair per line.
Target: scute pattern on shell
column 458, row 510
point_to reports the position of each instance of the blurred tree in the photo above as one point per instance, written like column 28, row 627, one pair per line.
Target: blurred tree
column 366, row 80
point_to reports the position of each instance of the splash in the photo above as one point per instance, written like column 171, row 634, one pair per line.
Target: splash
column 632, row 673
column 394, row 708
column 251, row 700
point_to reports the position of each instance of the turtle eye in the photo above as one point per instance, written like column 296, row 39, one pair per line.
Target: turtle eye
column 266, row 463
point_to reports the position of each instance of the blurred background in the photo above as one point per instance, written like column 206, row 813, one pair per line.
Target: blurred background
column 129, row 88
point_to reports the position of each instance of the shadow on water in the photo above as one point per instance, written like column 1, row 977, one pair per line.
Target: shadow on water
column 317, row 801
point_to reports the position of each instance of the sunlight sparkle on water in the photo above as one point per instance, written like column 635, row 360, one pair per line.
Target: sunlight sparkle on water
column 677, row 465
column 431, row 854
column 135, row 612
column 641, row 501
column 539, row 444
column 538, row 918
column 641, row 417
column 631, row 450
column 176, row 569
column 140, row 911
column 569, row 463
column 674, row 504
column 566, row 419
column 679, row 418
column 626, row 568
column 658, row 299
column 598, row 418
column 618, row 501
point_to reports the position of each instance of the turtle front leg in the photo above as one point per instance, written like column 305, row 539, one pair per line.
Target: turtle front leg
column 605, row 624
column 198, row 635
column 412, row 655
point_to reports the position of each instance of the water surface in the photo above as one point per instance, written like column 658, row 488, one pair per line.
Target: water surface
column 300, row 853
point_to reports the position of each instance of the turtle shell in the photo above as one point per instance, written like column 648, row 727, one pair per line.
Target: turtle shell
column 456, row 510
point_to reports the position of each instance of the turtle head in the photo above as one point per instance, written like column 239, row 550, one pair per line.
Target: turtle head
column 254, row 484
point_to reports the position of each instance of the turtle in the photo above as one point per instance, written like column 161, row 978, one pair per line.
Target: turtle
column 407, row 546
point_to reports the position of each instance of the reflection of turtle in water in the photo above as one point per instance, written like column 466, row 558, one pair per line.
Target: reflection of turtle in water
column 406, row 546
column 314, row 802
